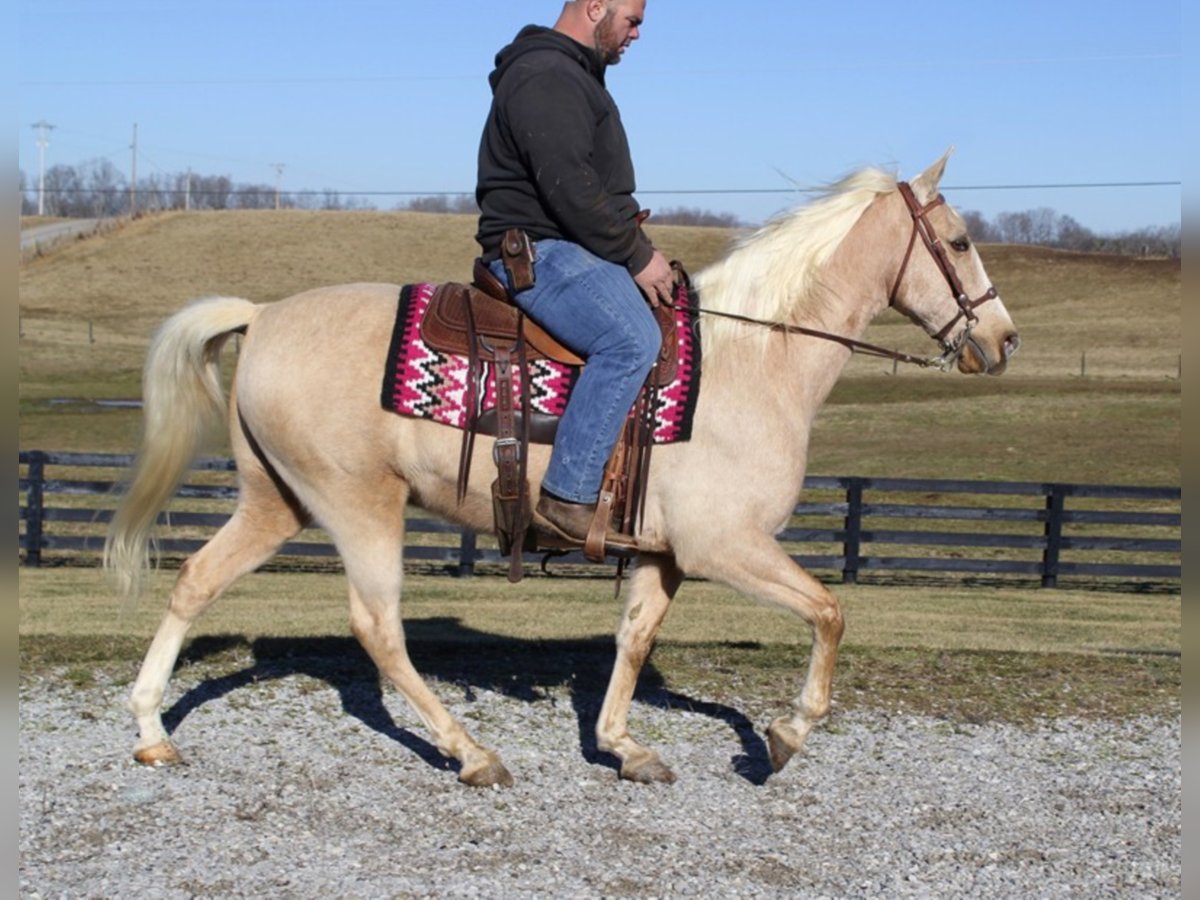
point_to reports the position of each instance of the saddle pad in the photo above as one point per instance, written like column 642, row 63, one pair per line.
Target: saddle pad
column 423, row 383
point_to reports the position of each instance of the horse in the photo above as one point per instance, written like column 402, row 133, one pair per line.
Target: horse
column 312, row 444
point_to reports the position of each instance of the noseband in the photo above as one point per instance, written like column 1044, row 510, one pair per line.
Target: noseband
column 966, row 306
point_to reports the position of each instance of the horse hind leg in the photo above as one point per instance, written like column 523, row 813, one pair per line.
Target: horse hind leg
column 265, row 518
column 652, row 586
column 371, row 549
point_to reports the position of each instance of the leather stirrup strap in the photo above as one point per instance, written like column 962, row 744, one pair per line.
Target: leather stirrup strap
column 639, row 463
column 507, row 453
column 470, row 402
column 593, row 545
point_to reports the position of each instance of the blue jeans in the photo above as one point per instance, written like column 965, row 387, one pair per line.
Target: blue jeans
column 596, row 309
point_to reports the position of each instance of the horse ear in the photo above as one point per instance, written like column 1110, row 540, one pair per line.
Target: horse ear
column 925, row 185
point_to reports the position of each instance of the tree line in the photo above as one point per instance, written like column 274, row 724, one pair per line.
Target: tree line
column 1046, row 228
column 97, row 189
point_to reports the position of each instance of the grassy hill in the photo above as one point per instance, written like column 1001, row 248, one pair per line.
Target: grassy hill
column 87, row 312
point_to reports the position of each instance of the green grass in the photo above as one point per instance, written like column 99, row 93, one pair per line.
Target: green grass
column 931, row 614
column 967, row 654
column 1008, row 428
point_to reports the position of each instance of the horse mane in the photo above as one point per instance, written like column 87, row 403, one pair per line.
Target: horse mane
column 771, row 274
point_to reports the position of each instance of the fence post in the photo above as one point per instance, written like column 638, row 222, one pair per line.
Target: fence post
column 853, row 527
column 34, row 508
column 466, row 553
column 1055, row 503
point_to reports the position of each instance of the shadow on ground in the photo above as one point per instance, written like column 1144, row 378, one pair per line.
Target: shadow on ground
column 444, row 650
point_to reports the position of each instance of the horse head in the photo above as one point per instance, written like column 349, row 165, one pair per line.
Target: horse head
column 941, row 284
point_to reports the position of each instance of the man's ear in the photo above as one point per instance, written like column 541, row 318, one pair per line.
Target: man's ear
column 595, row 9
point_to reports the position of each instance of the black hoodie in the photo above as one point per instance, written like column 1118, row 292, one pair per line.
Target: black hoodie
column 554, row 159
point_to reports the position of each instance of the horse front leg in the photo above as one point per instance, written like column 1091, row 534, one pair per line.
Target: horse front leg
column 757, row 566
column 652, row 586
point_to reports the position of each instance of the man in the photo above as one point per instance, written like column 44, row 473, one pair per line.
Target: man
column 554, row 161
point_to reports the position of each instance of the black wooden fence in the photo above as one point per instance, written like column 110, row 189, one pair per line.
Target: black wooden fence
column 1045, row 531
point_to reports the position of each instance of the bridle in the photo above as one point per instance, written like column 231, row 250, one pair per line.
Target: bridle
column 966, row 306
column 951, row 350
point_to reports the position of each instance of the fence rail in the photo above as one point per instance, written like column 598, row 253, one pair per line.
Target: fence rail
column 1045, row 531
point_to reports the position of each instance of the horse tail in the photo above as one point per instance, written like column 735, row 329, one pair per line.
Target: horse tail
column 183, row 405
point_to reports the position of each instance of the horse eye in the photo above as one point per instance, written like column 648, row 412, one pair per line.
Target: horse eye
column 961, row 244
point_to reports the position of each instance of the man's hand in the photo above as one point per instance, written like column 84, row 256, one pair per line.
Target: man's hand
column 656, row 280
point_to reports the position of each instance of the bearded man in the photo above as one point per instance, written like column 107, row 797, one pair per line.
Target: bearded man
column 554, row 162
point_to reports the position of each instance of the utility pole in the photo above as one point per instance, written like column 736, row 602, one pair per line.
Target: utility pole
column 133, row 176
column 279, row 167
column 187, row 194
column 43, row 142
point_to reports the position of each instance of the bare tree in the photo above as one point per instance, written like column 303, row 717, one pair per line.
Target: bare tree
column 211, row 191
column 1047, row 228
column 255, row 196
column 1043, row 225
column 28, row 205
column 1015, row 227
column 441, row 203
column 431, row 204
column 104, row 189
column 703, row 218
column 979, row 227
column 62, row 190
column 331, row 199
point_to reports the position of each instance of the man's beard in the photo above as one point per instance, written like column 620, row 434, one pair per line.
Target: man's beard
column 605, row 42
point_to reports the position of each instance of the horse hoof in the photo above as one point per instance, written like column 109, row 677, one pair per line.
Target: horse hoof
column 784, row 740
column 161, row 754
column 648, row 770
column 491, row 773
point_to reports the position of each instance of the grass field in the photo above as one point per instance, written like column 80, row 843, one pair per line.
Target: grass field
column 87, row 312
column 1010, row 652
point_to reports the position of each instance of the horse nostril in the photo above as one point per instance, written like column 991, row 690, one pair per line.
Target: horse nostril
column 1011, row 345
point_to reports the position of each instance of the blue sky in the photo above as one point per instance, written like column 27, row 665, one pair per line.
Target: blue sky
column 717, row 97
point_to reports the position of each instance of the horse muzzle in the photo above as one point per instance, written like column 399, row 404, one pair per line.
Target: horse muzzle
column 977, row 360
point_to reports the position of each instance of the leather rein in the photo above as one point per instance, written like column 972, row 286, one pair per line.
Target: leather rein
column 966, row 307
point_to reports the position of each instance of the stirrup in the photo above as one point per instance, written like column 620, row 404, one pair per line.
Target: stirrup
column 550, row 537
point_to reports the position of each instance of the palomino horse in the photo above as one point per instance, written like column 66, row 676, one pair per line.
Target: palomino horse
column 313, row 444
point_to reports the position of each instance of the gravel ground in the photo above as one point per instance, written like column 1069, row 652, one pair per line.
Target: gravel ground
column 300, row 786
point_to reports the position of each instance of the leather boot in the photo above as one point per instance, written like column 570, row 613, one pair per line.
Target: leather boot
column 572, row 521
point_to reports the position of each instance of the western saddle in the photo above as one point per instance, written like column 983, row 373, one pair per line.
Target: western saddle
column 480, row 322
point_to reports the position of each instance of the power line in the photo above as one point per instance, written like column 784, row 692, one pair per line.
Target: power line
column 948, row 187
column 1081, row 185
column 714, row 72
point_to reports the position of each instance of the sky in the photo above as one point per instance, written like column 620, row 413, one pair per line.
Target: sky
column 730, row 107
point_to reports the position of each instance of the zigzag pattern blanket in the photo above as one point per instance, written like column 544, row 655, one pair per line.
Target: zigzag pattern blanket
column 420, row 382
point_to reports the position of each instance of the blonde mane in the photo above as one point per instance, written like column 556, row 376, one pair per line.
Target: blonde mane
column 772, row 273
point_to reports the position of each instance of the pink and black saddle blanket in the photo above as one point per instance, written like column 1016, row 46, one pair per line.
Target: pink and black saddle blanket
column 424, row 383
